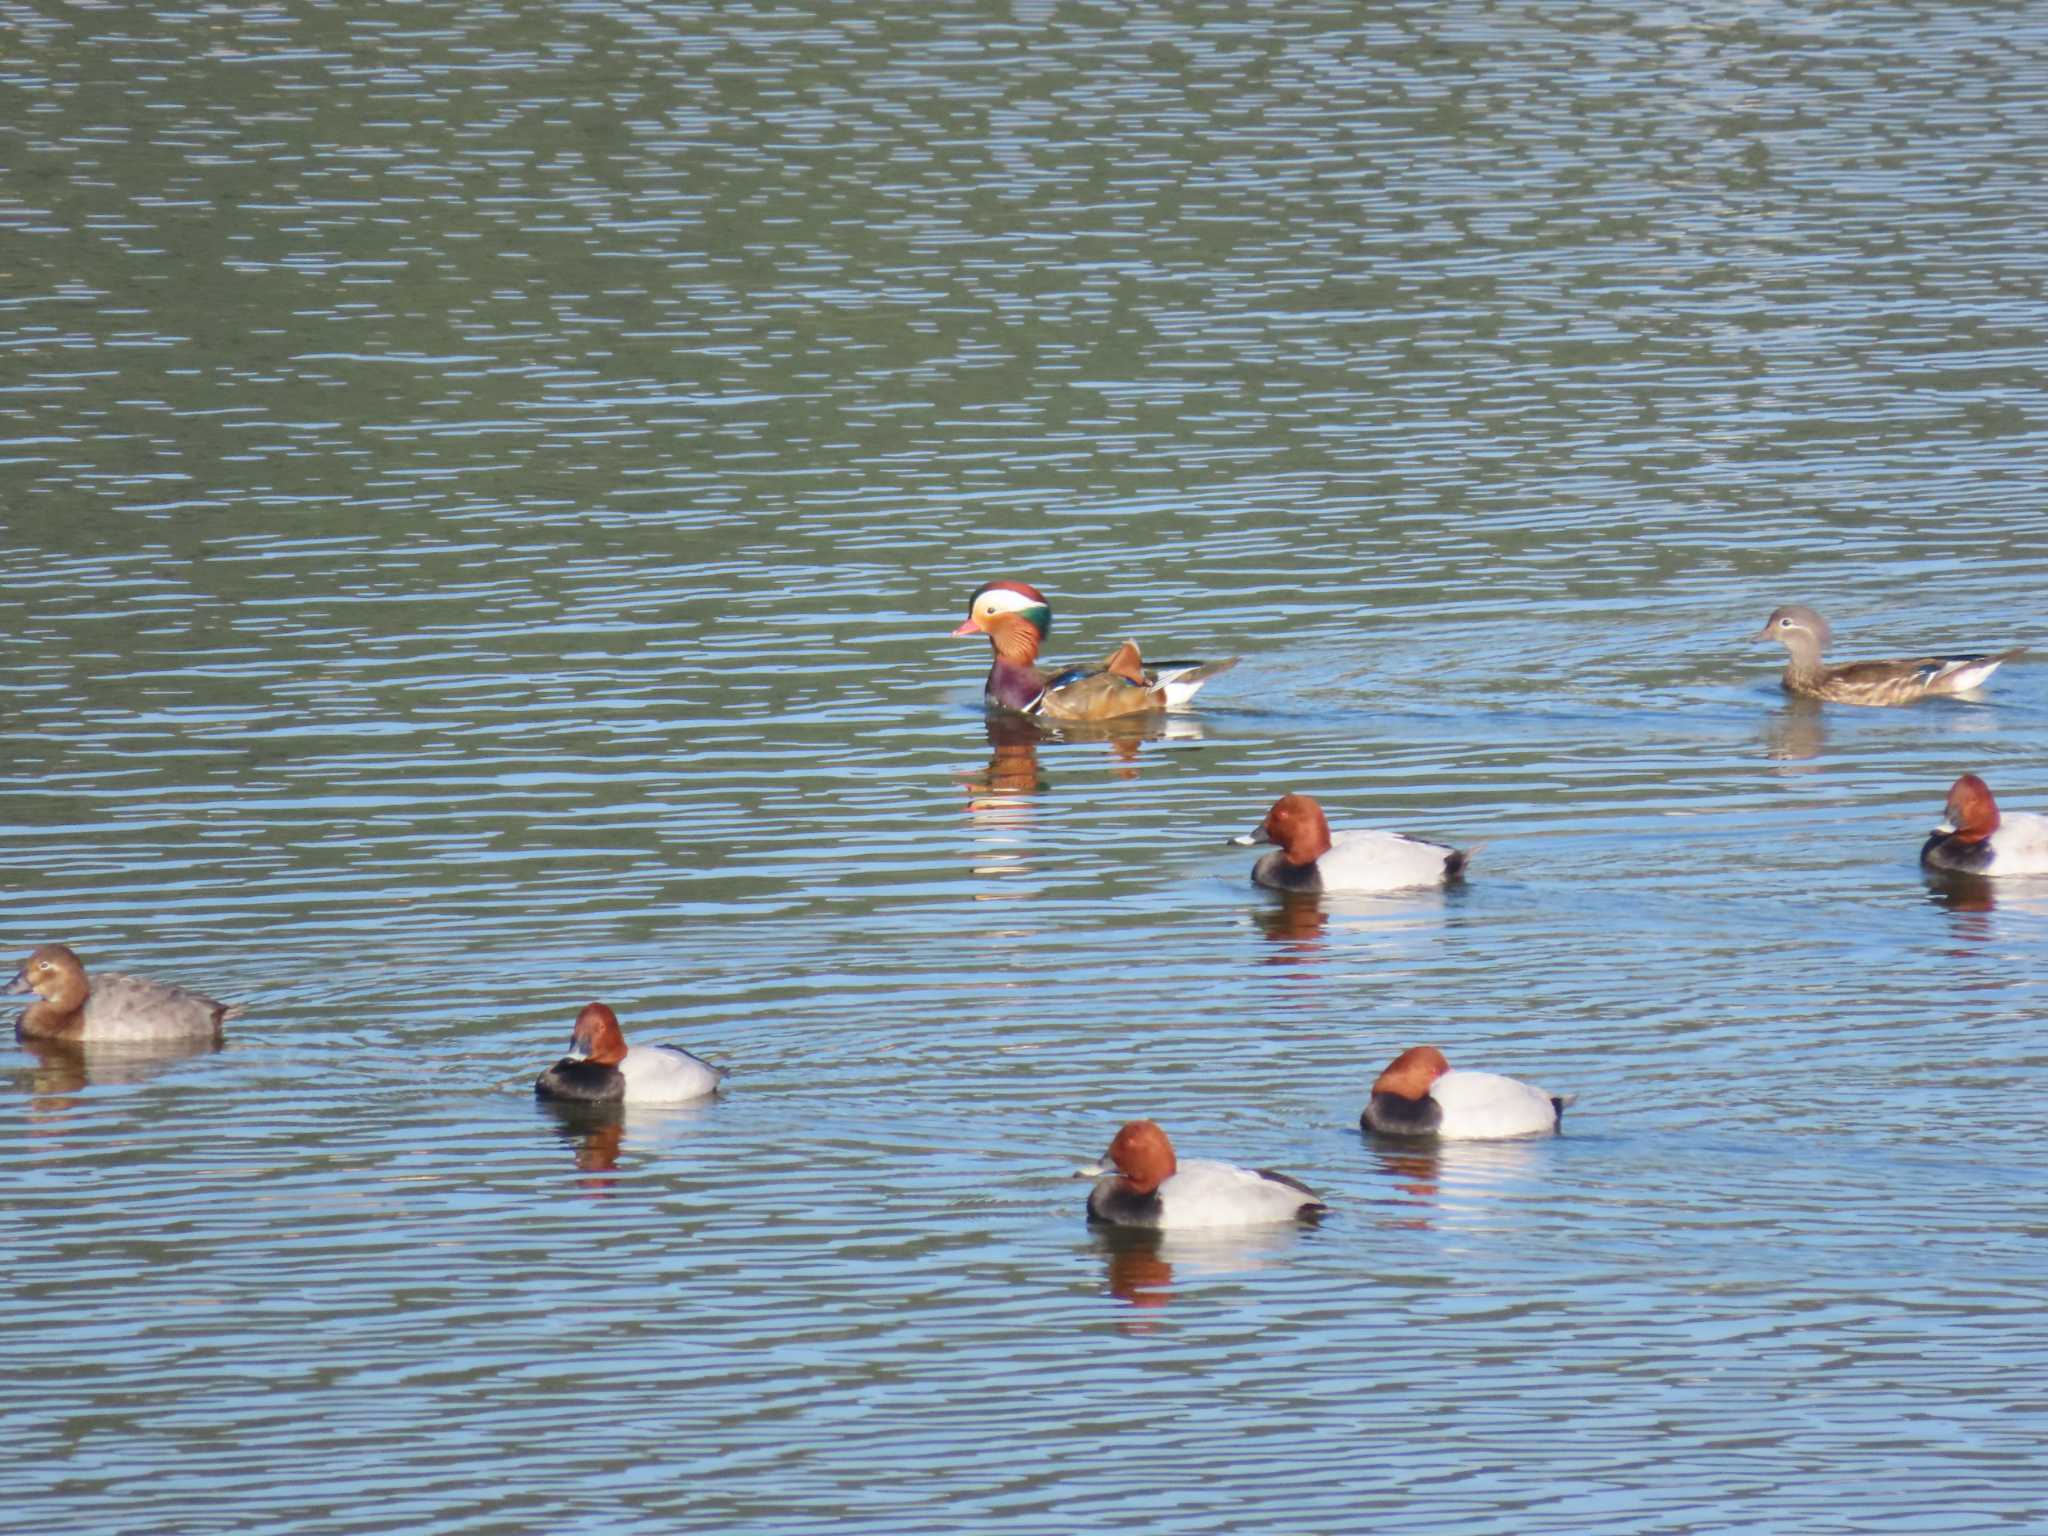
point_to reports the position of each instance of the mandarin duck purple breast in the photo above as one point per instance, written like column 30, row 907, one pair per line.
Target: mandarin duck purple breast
column 1806, row 634
column 1017, row 618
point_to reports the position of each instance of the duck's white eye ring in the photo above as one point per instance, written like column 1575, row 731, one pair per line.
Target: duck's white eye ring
column 1784, row 623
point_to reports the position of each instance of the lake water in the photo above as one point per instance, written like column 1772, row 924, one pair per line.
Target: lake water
column 486, row 492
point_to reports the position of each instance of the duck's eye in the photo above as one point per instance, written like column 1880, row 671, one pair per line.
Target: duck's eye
column 1784, row 623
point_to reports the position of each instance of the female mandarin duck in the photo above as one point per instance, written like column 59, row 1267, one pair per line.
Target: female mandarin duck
column 1146, row 1186
column 109, row 1007
column 1309, row 857
column 1419, row 1095
column 1806, row 634
column 1016, row 618
column 599, row 1069
column 1964, row 841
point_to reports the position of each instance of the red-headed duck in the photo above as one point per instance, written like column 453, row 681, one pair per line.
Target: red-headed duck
column 109, row 1007
column 1016, row 618
column 1419, row 1095
column 1309, row 857
column 1140, row 1183
column 599, row 1069
column 1806, row 634
column 1964, row 841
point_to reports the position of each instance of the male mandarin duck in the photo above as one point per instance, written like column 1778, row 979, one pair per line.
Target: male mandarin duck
column 109, row 1007
column 1806, row 634
column 1140, row 1183
column 1309, row 857
column 600, row 1069
column 1016, row 618
column 1419, row 1095
column 1965, row 839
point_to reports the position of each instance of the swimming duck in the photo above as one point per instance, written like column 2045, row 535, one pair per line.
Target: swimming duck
column 1419, row 1095
column 1964, row 839
column 1016, row 618
column 1144, row 1185
column 1309, row 857
column 599, row 1069
column 109, row 1007
column 1806, row 634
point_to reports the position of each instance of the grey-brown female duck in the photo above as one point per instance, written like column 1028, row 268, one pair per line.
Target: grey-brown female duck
column 109, row 1007
column 1806, row 634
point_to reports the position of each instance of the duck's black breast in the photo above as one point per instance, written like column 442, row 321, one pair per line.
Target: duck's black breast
column 1111, row 1201
column 1391, row 1115
column 1944, row 850
column 1275, row 873
column 582, row 1082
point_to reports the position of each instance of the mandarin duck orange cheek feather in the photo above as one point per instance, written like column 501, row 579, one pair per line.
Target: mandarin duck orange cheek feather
column 1017, row 618
column 1875, row 683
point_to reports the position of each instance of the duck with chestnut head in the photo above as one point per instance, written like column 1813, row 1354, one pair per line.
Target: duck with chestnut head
column 1976, row 838
column 1141, row 1183
column 1308, row 856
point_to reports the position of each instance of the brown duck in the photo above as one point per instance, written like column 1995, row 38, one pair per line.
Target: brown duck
column 109, row 1007
column 1016, row 618
column 1806, row 634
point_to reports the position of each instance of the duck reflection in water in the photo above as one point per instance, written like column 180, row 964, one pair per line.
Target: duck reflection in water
column 1295, row 923
column 1960, row 891
column 596, row 1134
column 1415, row 1174
column 1144, row 1267
column 593, row 1133
column 1001, row 798
column 1796, row 731
column 66, row 1066
column 1477, row 1170
column 1013, row 771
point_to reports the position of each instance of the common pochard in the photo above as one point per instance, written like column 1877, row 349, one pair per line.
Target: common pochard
column 109, row 1007
column 1977, row 839
column 1419, row 1095
column 600, row 1069
column 1140, row 1183
column 1310, row 857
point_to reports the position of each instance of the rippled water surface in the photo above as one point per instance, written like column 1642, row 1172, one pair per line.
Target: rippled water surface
column 485, row 495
